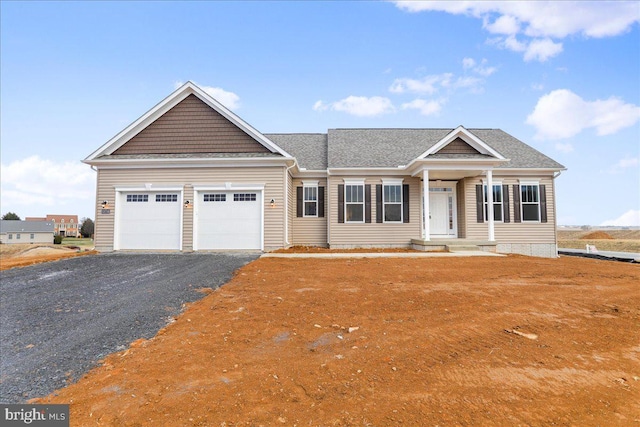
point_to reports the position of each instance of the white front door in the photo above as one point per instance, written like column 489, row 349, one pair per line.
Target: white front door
column 438, row 215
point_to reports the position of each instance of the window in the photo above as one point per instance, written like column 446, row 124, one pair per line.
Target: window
column 310, row 200
column 18, row 236
column 166, row 197
column 10, row 236
column 530, row 202
column 215, row 197
column 354, row 202
column 137, row 197
column 32, row 236
column 392, row 202
column 497, row 202
column 244, row 197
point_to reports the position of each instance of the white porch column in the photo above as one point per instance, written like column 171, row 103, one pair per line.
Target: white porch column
column 425, row 205
column 492, row 236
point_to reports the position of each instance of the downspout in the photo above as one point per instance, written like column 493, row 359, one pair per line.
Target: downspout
column 286, row 203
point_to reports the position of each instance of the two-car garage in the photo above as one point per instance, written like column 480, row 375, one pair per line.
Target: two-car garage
column 222, row 219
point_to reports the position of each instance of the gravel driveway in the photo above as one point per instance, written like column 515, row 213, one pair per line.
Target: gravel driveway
column 58, row 319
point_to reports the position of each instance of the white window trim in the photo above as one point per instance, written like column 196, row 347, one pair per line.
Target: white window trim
column 484, row 201
column 522, row 203
column 305, row 185
column 354, row 182
column 386, row 182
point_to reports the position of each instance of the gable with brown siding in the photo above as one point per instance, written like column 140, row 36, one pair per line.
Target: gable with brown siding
column 191, row 127
column 458, row 146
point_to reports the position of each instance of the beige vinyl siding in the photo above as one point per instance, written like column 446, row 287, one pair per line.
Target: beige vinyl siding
column 308, row 231
column 187, row 219
column 374, row 234
column 512, row 232
column 462, row 209
column 271, row 177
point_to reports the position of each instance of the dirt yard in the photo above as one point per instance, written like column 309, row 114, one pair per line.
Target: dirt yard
column 22, row 255
column 603, row 239
column 385, row 342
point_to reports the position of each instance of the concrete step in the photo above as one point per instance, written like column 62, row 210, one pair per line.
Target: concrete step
column 463, row 248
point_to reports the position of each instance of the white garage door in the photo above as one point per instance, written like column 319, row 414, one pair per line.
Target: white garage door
column 228, row 220
column 149, row 220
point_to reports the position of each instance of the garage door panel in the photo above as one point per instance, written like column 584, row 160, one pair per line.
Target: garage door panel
column 229, row 220
column 149, row 221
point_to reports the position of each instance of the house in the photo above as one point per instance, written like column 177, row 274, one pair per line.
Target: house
column 190, row 175
column 64, row 225
column 26, row 231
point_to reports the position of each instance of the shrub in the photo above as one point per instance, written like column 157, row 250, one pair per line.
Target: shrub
column 57, row 240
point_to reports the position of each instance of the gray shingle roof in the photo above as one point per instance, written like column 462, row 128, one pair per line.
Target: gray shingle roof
column 390, row 148
column 9, row 226
column 310, row 149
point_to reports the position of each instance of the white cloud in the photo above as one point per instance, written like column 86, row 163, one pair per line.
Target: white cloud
column 427, row 85
column 557, row 19
column 226, row 98
column 565, row 148
column 360, row 106
column 468, row 63
column 539, row 21
column 563, row 114
column 623, row 164
column 542, row 49
column 630, row 218
column 33, row 184
column 426, row 108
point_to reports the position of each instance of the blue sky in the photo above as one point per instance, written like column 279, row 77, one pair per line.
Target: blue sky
column 563, row 77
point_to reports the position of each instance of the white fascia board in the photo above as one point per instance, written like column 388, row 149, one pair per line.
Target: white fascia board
column 303, row 173
column 188, row 163
column 168, row 103
column 453, row 165
column 526, row 172
column 468, row 137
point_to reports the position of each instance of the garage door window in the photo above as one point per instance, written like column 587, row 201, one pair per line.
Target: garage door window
column 137, row 197
column 166, row 197
column 244, row 197
column 215, row 197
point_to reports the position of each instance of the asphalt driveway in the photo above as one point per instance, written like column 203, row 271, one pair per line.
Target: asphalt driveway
column 58, row 319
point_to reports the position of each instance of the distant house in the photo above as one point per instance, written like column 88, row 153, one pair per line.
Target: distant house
column 65, row 225
column 191, row 175
column 26, row 231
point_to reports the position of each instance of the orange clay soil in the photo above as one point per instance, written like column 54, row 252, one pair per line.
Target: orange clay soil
column 386, row 342
column 37, row 255
column 597, row 235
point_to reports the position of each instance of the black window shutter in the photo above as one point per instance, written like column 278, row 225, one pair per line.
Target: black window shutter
column 367, row 203
column 340, row 203
column 321, row 202
column 505, row 204
column 299, row 200
column 378, row 203
column 543, row 203
column 479, row 203
column 405, row 202
column 516, row 203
